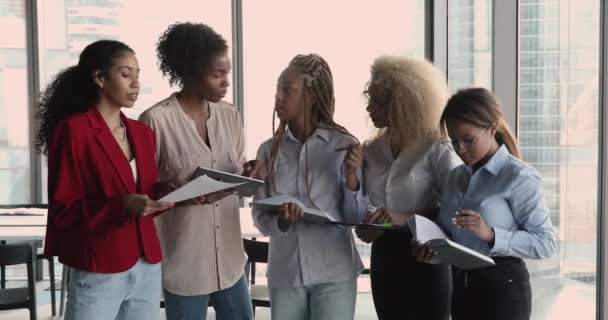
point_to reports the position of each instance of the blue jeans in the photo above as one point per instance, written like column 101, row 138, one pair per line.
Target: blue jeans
column 133, row 294
column 233, row 303
column 328, row 301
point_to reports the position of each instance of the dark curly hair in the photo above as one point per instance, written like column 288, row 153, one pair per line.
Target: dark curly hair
column 73, row 90
column 185, row 50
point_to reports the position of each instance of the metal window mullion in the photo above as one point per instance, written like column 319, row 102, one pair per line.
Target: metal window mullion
column 33, row 79
column 237, row 70
column 602, row 225
column 505, row 58
column 237, row 55
column 439, row 33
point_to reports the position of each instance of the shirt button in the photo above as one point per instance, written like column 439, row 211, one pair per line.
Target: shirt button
column 217, row 204
column 217, row 227
column 218, row 248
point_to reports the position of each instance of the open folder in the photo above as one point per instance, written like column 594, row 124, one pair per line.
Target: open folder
column 448, row 251
column 273, row 204
column 246, row 186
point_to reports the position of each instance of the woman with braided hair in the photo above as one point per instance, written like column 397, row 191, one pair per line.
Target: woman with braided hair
column 312, row 269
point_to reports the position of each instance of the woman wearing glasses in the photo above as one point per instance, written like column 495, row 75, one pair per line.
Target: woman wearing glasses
column 494, row 204
column 405, row 164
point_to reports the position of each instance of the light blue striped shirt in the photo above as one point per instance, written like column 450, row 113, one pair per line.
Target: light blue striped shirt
column 309, row 254
column 508, row 194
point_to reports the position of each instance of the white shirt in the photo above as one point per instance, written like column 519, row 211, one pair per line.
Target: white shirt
column 413, row 181
column 133, row 164
column 309, row 254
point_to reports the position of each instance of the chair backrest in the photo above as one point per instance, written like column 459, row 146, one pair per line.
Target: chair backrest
column 257, row 251
column 17, row 253
column 21, row 253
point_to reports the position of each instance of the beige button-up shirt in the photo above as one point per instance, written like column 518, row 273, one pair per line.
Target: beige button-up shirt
column 202, row 246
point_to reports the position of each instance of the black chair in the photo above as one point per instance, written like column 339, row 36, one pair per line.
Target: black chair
column 19, row 298
column 257, row 252
column 39, row 257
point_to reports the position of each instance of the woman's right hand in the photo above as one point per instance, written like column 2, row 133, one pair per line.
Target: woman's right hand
column 380, row 216
column 290, row 213
column 422, row 252
column 142, row 205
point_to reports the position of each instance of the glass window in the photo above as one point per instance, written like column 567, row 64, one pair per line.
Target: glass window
column 558, row 133
column 66, row 27
column 350, row 46
column 349, row 39
column 469, row 43
column 14, row 105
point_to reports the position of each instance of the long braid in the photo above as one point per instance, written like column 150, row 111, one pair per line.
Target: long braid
column 274, row 151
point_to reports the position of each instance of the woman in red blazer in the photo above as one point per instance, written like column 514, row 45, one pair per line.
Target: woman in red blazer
column 102, row 177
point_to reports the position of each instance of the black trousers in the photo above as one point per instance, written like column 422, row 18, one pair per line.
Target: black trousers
column 403, row 288
column 501, row 292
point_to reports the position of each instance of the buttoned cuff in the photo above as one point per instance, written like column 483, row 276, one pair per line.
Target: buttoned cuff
column 353, row 201
column 501, row 242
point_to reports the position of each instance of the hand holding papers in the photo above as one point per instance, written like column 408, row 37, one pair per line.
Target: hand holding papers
column 427, row 232
column 273, row 204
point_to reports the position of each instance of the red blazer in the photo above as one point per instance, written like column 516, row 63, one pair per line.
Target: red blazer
column 88, row 227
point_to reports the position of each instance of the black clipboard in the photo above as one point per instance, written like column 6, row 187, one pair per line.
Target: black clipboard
column 370, row 226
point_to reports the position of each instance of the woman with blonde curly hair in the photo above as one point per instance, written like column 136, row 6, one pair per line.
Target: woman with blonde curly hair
column 405, row 165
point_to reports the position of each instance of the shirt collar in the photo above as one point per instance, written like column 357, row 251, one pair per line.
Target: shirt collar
column 495, row 163
column 320, row 132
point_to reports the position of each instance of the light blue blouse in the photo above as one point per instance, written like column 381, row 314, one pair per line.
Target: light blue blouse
column 508, row 194
column 309, row 254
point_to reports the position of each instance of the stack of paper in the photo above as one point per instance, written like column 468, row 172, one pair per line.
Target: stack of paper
column 273, row 204
column 448, row 251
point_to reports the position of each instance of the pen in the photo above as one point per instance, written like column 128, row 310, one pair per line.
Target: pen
column 342, row 148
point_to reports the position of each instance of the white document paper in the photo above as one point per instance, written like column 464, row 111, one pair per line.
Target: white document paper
column 199, row 186
column 248, row 186
column 310, row 215
column 424, row 229
column 448, row 251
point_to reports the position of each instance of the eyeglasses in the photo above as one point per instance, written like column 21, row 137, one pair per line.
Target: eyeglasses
column 373, row 101
column 466, row 144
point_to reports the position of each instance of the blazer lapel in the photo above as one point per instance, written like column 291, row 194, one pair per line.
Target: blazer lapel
column 112, row 149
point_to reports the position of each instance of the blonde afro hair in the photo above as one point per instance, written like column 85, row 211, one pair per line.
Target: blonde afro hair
column 417, row 92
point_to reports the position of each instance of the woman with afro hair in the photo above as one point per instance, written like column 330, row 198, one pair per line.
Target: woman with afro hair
column 405, row 168
column 203, row 251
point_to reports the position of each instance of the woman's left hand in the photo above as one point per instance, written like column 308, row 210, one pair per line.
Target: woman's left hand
column 255, row 169
column 472, row 221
